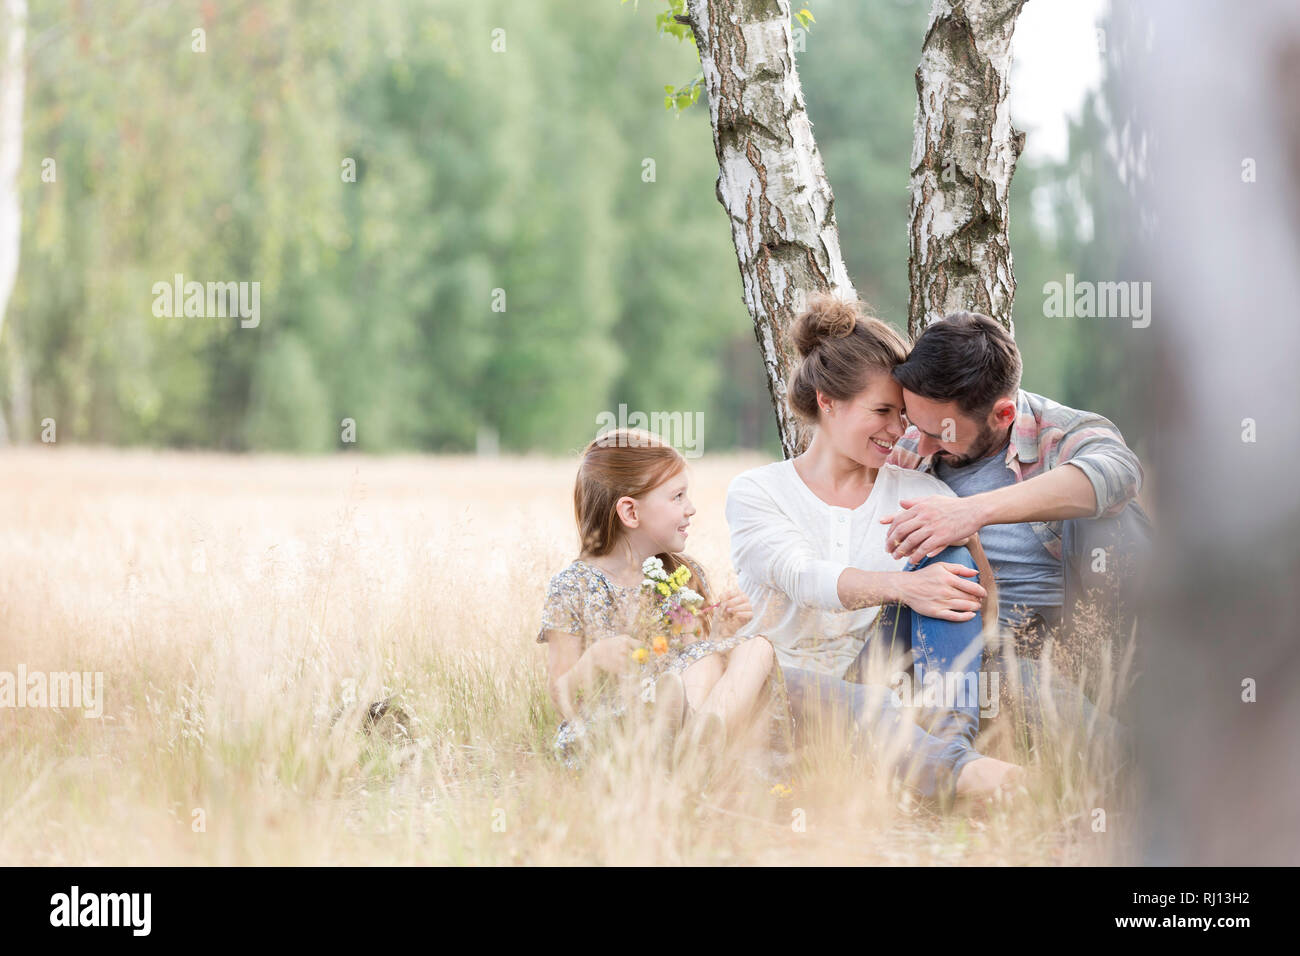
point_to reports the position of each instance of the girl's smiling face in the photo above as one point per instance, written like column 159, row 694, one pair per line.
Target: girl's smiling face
column 664, row 513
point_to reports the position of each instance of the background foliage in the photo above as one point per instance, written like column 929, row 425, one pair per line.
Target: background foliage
column 523, row 170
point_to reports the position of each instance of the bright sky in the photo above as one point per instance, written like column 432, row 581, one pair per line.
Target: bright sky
column 1055, row 61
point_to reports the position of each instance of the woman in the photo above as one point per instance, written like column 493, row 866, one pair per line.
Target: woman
column 808, row 543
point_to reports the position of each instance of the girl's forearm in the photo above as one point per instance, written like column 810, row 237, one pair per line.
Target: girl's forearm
column 577, row 678
column 564, row 687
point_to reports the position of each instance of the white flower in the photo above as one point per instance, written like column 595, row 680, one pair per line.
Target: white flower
column 653, row 569
column 686, row 596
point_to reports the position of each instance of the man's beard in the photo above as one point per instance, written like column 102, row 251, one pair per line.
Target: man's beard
column 989, row 441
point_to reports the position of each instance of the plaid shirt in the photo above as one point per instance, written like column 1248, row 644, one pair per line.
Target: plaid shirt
column 1047, row 434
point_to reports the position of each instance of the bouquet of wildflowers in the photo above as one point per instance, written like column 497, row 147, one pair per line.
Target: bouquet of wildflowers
column 676, row 606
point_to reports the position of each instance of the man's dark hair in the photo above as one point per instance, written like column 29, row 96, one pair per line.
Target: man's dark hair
column 965, row 358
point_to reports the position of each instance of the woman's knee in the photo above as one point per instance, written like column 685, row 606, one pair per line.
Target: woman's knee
column 953, row 554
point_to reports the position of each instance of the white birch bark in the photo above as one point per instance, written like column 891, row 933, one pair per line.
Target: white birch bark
column 13, row 27
column 771, row 180
column 964, row 152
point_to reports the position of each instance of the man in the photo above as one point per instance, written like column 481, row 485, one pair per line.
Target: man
column 1050, row 489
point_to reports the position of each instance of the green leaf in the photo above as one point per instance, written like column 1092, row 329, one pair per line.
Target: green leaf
column 685, row 96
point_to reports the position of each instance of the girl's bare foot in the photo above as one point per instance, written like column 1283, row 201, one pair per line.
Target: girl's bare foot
column 989, row 777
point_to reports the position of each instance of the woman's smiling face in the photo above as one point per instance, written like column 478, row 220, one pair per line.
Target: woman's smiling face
column 865, row 427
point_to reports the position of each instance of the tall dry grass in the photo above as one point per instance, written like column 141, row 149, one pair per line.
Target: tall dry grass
column 245, row 611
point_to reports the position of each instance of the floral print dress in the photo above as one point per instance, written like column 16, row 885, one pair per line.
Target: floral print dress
column 584, row 601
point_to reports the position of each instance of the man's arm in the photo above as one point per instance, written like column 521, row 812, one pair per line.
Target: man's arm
column 1095, row 447
column 1106, row 476
column 928, row 525
column 1052, row 496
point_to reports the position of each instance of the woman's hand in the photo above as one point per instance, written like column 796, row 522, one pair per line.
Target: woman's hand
column 732, row 613
column 942, row 590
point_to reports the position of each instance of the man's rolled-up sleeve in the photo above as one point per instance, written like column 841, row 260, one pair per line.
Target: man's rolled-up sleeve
column 1096, row 448
column 771, row 549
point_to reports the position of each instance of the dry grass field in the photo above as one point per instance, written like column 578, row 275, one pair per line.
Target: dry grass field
column 244, row 610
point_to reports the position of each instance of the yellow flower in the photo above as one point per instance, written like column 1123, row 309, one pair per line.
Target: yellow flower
column 640, row 655
column 660, row 644
column 664, row 589
column 781, row 790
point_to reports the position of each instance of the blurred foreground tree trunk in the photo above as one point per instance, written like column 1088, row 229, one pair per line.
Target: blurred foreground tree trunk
column 964, row 153
column 13, row 28
column 1216, row 708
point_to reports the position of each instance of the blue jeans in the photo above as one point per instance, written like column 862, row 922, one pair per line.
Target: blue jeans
column 934, row 750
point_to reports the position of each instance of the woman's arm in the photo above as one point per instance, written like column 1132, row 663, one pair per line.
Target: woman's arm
column 942, row 590
column 771, row 549
column 858, row 588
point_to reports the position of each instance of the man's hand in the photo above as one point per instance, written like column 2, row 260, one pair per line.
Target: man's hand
column 927, row 525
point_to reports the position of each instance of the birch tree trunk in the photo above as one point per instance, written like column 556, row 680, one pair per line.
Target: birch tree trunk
column 964, row 152
column 13, row 26
column 771, row 180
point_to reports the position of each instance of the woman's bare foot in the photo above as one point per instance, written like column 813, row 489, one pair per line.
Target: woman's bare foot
column 989, row 777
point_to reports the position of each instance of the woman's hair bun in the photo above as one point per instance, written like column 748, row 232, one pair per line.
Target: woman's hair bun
column 825, row 318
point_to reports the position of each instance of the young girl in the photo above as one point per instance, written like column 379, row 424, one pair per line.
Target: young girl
column 602, row 627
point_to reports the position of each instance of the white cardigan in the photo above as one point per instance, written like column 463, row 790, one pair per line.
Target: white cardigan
column 789, row 548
